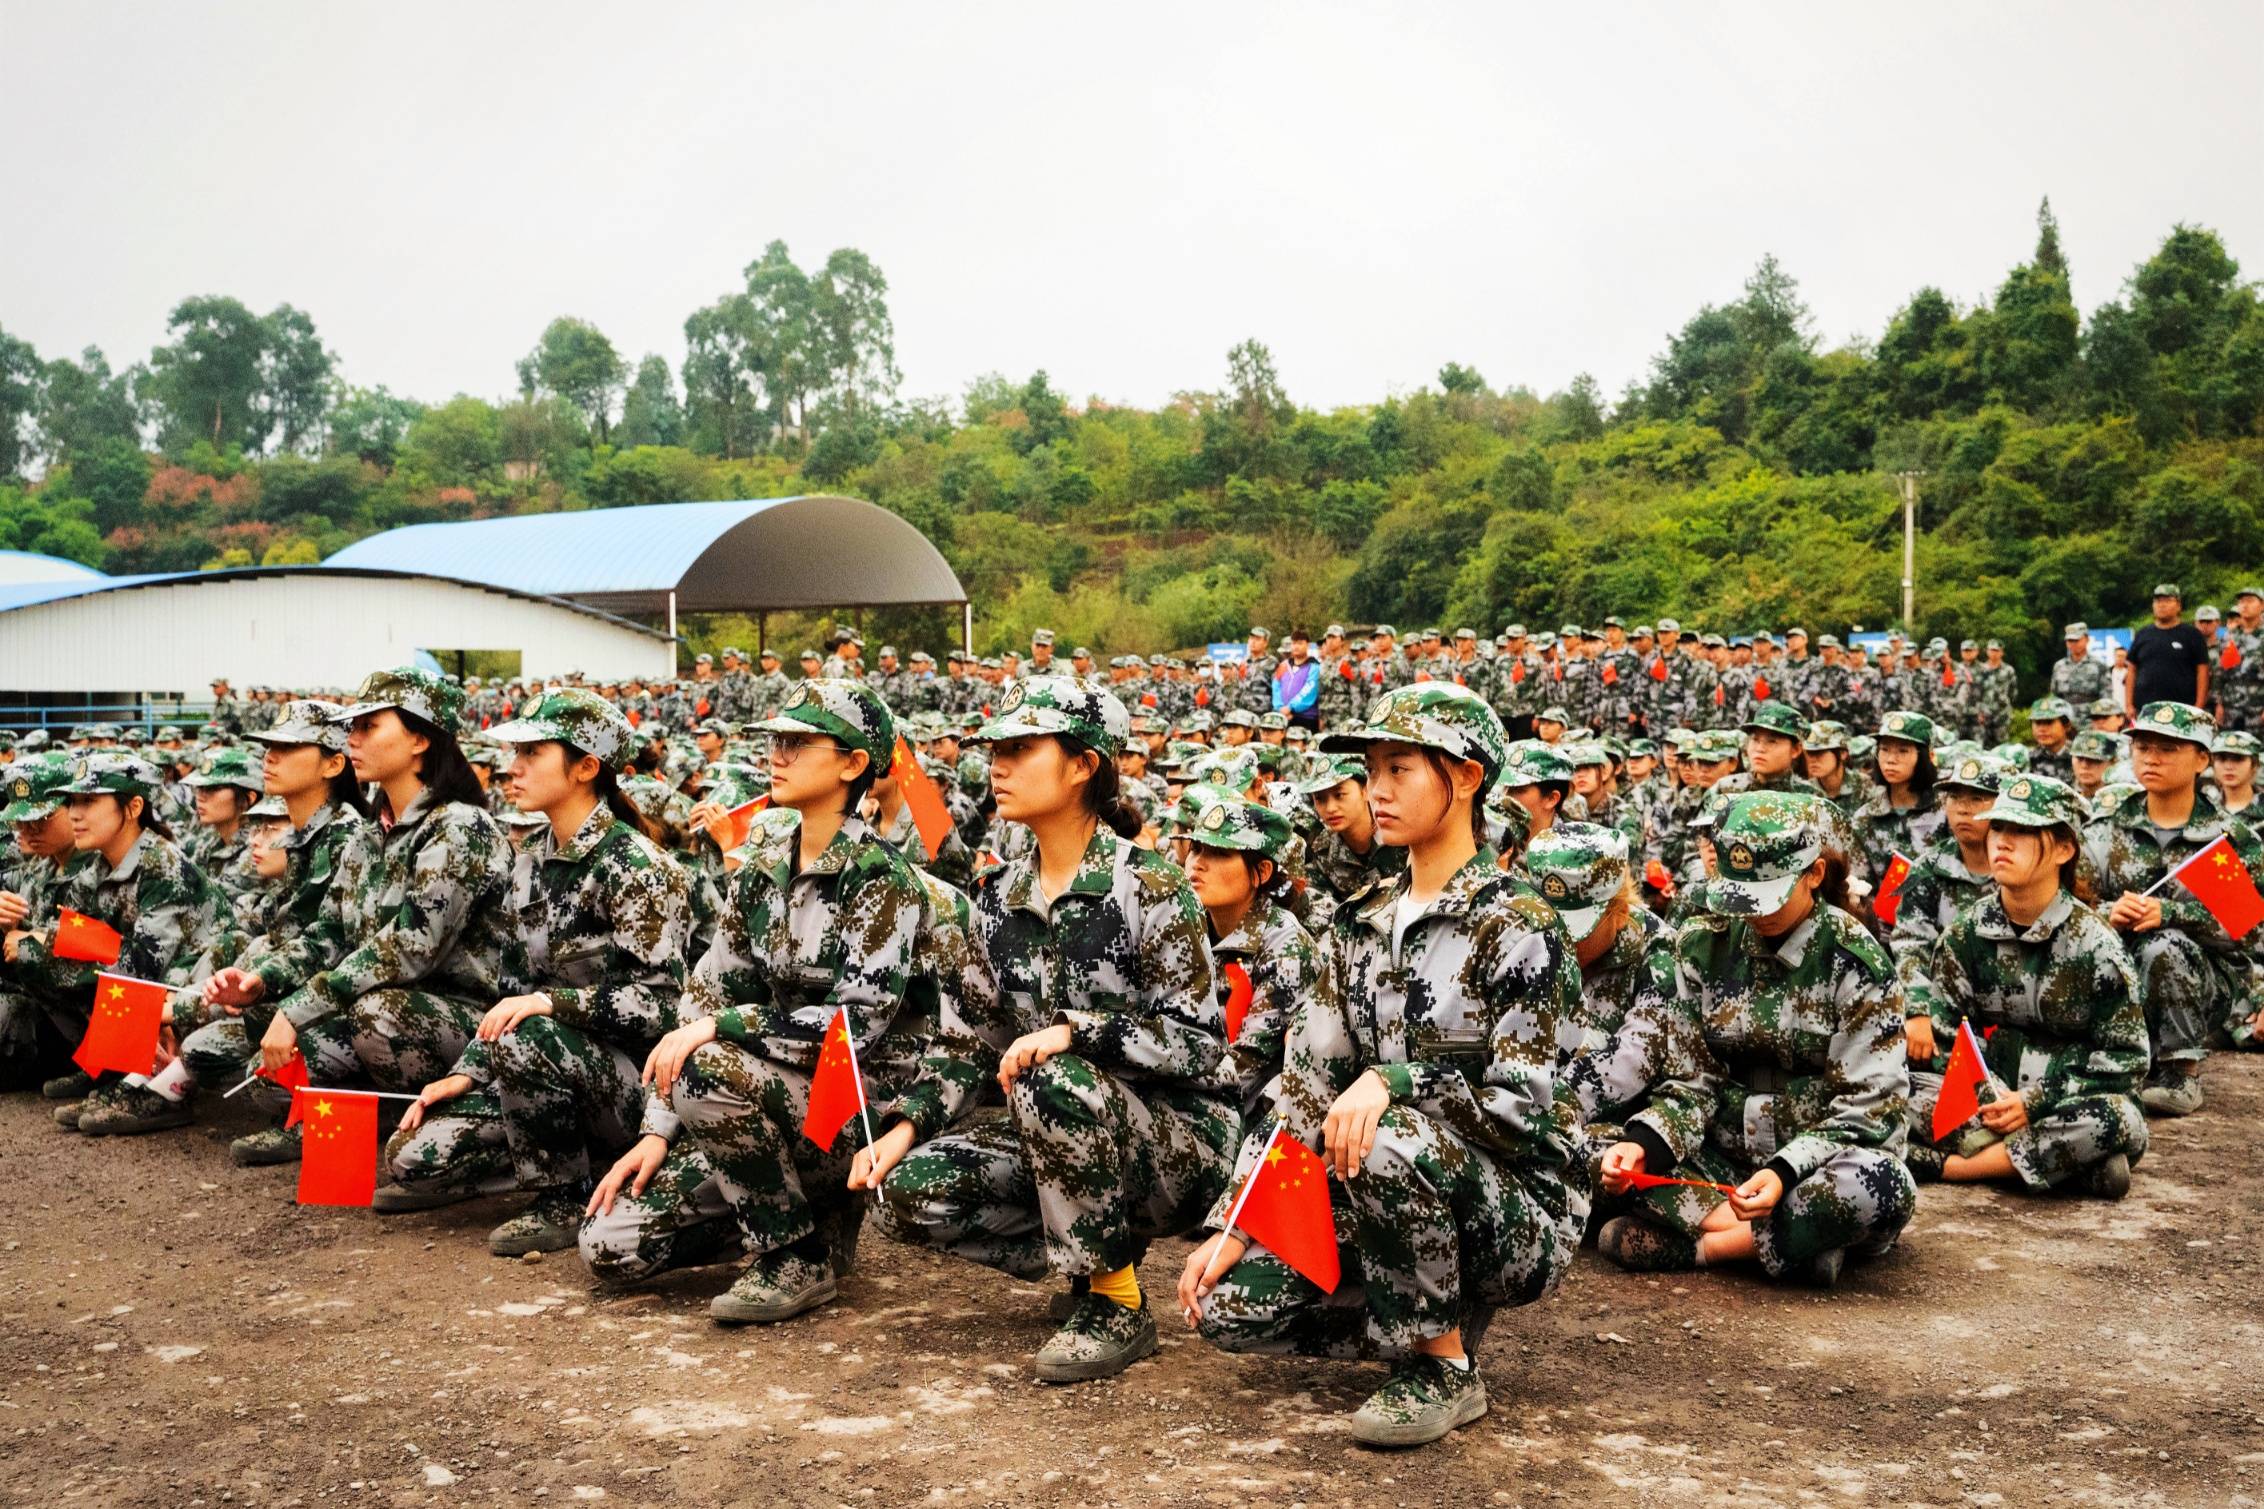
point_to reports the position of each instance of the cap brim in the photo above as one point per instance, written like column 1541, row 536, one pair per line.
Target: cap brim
column 293, row 733
column 1012, row 726
column 1581, row 921
column 30, row 812
column 1750, row 898
column 360, row 709
column 524, row 731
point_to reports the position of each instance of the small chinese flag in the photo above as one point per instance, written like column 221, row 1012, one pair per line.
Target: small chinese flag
column 1517, row 673
column 291, row 1076
column 2230, row 660
column 1287, row 1208
column 743, row 820
column 1949, row 674
column 636, row 719
column 1961, row 1085
column 1238, row 994
column 1637, row 1179
column 1344, row 669
column 1888, row 902
column 79, row 936
column 837, row 1092
column 121, row 1031
column 925, row 799
column 1659, row 669
column 2220, row 882
column 700, row 708
column 1719, row 696
column 1611, row 674
column 1761, row 688
column 338, row 1150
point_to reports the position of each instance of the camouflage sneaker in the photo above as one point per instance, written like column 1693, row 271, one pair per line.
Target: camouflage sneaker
column 72, row 1086
column 1422, row 1400
column 1640, row 1247
column 841, row 1231
column 1063, row 1305
column 2108, row 1179
column 1099, row 1340
column 552, row 1223
column 777, row 1286
column 260, row 1149
column 399, row 1199
column 130, row 1110
column 67, row 1116
column 2172, row 1093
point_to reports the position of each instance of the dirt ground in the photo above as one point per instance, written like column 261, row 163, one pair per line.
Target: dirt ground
column 173, row 1331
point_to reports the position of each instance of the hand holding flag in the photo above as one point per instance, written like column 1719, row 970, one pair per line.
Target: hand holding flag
column 1960, row 1099
column 1285, row 1205
column 2218, row 879
column 742, row 818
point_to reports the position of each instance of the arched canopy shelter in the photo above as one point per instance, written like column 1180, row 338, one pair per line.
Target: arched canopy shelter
column 755, row 555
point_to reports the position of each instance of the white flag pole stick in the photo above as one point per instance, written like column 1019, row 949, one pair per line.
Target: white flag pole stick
column 857, row 1078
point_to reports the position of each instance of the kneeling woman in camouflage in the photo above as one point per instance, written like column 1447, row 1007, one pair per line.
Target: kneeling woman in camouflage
column 2050, row 991
column 1120, row 1094
column 1425, row 1071
column 424, row 915
column 599, row 919
column 1782, row 1069
column 822, row 919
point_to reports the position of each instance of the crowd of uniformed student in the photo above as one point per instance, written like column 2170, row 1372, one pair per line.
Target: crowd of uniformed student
column 1505, row 933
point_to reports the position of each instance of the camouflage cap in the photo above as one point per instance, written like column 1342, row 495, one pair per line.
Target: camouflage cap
column 574, row 716
column 2076, row 631
column 1438, row 715
column 1327, row 772
column 36, row 783
column 408, row 689
column 2103, row 707
column 852, row 712
column 1862, row 747
column 2236, row 744
column 2016, row 756
column 268, row 807
column 173, row 731
column 1269, row 722
column 734, row 783
column 305, row 722
column 1579, row 868
column 1232, row 769
column 1765, row 842
column 1586, row 754
column 1061, row 705
column 1773, row 717
column 1715, row 745
column 1642, row 749
column 2176, row 720
column 2098, row 744
column 1238, row 717
column 2050, row 707
column 231, row 766
column 1973, row 772
column 1529, row 762
column 1826, row 734
column 1709, row 813
column 2168, row 589
column 1553, row 713
column 120, row 775
column 1913, row 728
column 2036, row 801
column 1244, row 826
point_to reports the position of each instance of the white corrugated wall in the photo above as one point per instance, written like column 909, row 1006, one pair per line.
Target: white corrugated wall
column 311, row 630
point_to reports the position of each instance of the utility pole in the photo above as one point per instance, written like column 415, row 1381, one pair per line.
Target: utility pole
column 1909, row 484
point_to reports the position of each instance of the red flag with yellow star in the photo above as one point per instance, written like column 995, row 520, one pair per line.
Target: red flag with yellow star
column 2220, row 882
column 79, row 936
column 338, row 1150
column 924, row 797
column 1887, row 904
column 1238, row 994
column 121, row 1031
column 743, row 821
column 1287, row 1208
column 837, row 1092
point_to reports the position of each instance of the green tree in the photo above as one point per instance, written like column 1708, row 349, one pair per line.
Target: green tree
column 783, row 303
column 370, row 424
column 650, row 414
column 575, row 361
column 207, row 382
column 295, row 379
column 113, row 475
column 21, row 377
column 2031, row 339
column 1456, row 378
column 83, row 404
column 458, row 444
column 724, row 378
column 856, row 334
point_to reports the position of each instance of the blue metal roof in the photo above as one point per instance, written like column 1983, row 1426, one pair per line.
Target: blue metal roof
column 30, row 566
column 805, row 550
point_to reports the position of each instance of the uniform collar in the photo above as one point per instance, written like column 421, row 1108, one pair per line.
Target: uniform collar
column 1991, row 921
column 1792, row 948
column 587, row 837
column 1461, row 890
column 1096, row 871
column 779, row 848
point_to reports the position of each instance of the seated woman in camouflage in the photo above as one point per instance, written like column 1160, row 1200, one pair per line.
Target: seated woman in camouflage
column 1424, row 1070
column 822, row 920
column 1267, row 964
column 1946, row 878
column 35, row 1016
column 169, row 914
column 2232, row 756
column 2053, row 998
column 1782, row 1069
column 599, row 916
column 325, row 816
column 1824, row 757
column 1120, row 1092
column 226, row 785
column 413, row 954
column 2193, row 975
column 1346, row 854
column 1901, row 816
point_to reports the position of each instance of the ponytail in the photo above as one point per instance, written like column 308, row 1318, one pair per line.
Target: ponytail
column 1104, row 793
column 608, row 789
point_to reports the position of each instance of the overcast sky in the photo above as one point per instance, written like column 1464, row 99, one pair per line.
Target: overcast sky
column 1116, row 194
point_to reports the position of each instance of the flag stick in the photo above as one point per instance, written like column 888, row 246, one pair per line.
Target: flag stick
column 2190, row 859
column 329, row 1090
column 246, row 1085
column 1281, row 1124
column 857, row 1078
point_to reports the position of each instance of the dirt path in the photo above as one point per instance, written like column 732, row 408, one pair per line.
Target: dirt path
column 174, row 1332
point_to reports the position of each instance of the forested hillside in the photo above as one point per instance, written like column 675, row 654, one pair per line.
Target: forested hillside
column 2068, row 461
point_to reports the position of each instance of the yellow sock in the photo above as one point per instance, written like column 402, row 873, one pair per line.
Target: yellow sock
column 1123, row 1286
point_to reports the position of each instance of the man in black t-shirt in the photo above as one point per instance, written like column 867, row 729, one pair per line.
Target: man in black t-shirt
column 2169, row 660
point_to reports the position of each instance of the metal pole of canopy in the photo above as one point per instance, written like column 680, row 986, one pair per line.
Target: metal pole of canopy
column 673, row 644
column 967, row 627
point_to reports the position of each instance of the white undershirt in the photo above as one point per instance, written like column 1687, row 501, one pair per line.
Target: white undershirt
column 1409, row 907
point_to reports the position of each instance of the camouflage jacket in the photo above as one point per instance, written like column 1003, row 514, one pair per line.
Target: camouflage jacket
column 42, row 883
column 1994, row 689
column 427, row 906
column 1778, row 1051
column 956, row 1054
column 2061, row 993
column 1280, row 961
column 1122, row 956
column 1883, row 830
column 1340, row 872
column 1341, row 697
column 1937, row 890
column 2082, row 682
column 1608, row 1071
column 954, row 862
column 2127, row 853
column 170, row 915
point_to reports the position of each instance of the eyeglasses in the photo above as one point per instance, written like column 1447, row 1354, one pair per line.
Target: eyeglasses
column 785, row 749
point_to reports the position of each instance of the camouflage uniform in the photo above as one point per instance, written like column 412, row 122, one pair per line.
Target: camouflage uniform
column 1126, row 1136
column 1938, row 889
column 2237, row 677
column 2056, row 1006
column 35, row 787
column 1785, row 1053
column 1994, row 688
column 767, row 694
column 1883, row 830
column 2195, row 976
column 1471, row 1198
column 1340, row 699
column 2081, row 682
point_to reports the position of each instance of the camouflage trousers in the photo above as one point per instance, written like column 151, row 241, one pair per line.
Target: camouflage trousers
column 681, row 1221
column 406, row 1039
column 1989, row 728
column 23, row 1016
column 1081, row 1173
column 220, row 1054
column 2188, row 990
column 552, row 1092
column 460, row 1144
column 743, row 1114
column 1432, row 1230
column 2056, row 1145
column 1858, row 1200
